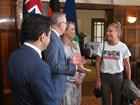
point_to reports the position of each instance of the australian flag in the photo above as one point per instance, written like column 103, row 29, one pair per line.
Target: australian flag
column 32, row 6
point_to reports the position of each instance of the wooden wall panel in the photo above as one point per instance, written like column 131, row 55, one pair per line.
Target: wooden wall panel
column 8, row 43
column 7, row 16
column 7, row 1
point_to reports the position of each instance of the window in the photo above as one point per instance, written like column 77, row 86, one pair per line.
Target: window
column 97, row 30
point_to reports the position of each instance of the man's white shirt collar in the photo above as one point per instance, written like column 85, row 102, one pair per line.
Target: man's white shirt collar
column 34, row 47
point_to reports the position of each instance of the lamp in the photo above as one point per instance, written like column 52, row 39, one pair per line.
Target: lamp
column 131, row 19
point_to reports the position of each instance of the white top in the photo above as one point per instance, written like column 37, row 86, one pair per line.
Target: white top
column 34, row 47
column 113, row 57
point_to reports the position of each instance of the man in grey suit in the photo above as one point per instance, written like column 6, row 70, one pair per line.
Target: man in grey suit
column 30, row 76
column 54, row 55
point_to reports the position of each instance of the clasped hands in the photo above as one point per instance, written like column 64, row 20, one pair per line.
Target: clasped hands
column 79, row 61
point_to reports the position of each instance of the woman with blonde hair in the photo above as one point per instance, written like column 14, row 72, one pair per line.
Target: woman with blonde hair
column 112, row 59
column 73, row 84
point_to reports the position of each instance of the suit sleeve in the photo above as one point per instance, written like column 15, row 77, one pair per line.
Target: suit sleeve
column 41, row 86
column 55, row 58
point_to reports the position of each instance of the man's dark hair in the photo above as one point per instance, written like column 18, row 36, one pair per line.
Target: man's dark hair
column 33, row 26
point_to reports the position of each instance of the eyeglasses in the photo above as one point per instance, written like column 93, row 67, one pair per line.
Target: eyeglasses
column 64, row 23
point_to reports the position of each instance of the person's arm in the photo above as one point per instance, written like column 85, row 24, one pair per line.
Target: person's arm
column 55, row 57
column 81, row 60
column 98, row 80
column 41, row 86
column 126, row 62
column 127, row 68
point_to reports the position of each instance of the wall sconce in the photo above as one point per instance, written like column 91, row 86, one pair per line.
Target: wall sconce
column 131, row 19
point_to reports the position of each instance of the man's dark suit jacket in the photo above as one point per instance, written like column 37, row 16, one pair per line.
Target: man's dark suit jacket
column 54, row 55
column 30, row 78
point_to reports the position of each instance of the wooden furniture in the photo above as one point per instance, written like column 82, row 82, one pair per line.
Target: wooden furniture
column 135, row 72
column 130, row 36
column 8, row 43
column 138, row 73
column 131, row 31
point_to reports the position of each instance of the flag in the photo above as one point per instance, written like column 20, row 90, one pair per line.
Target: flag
column 32, row 6
column 54, row 6
column 70, row 11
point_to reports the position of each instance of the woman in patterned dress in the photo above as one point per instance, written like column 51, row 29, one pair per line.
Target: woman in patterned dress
column 73, row 84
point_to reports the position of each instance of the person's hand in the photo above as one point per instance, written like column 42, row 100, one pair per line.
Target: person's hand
column 98, row 84
column 78, row 60
column 78, row 82
column 82, row 60
column 75, row 59
column 81, row 68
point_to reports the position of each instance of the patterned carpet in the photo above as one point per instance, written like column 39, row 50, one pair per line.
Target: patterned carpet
column 88, row 85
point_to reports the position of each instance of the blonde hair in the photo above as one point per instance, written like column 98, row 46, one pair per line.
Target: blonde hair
column 68, row 25
column 71, row 44
column 117, row 26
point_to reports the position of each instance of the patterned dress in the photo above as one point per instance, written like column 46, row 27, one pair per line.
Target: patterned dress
column 73, row 93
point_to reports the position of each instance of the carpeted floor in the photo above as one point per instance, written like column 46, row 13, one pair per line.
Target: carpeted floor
column 89, row 100
column 88, row 85
column 87, row 96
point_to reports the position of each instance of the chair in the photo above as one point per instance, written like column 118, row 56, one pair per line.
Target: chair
column 89, row 51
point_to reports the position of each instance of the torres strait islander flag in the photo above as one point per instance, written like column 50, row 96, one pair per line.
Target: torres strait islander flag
column 32, row 6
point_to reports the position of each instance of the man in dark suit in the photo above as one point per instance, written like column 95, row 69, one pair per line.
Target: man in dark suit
column 30, row 76
column 54, row 55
